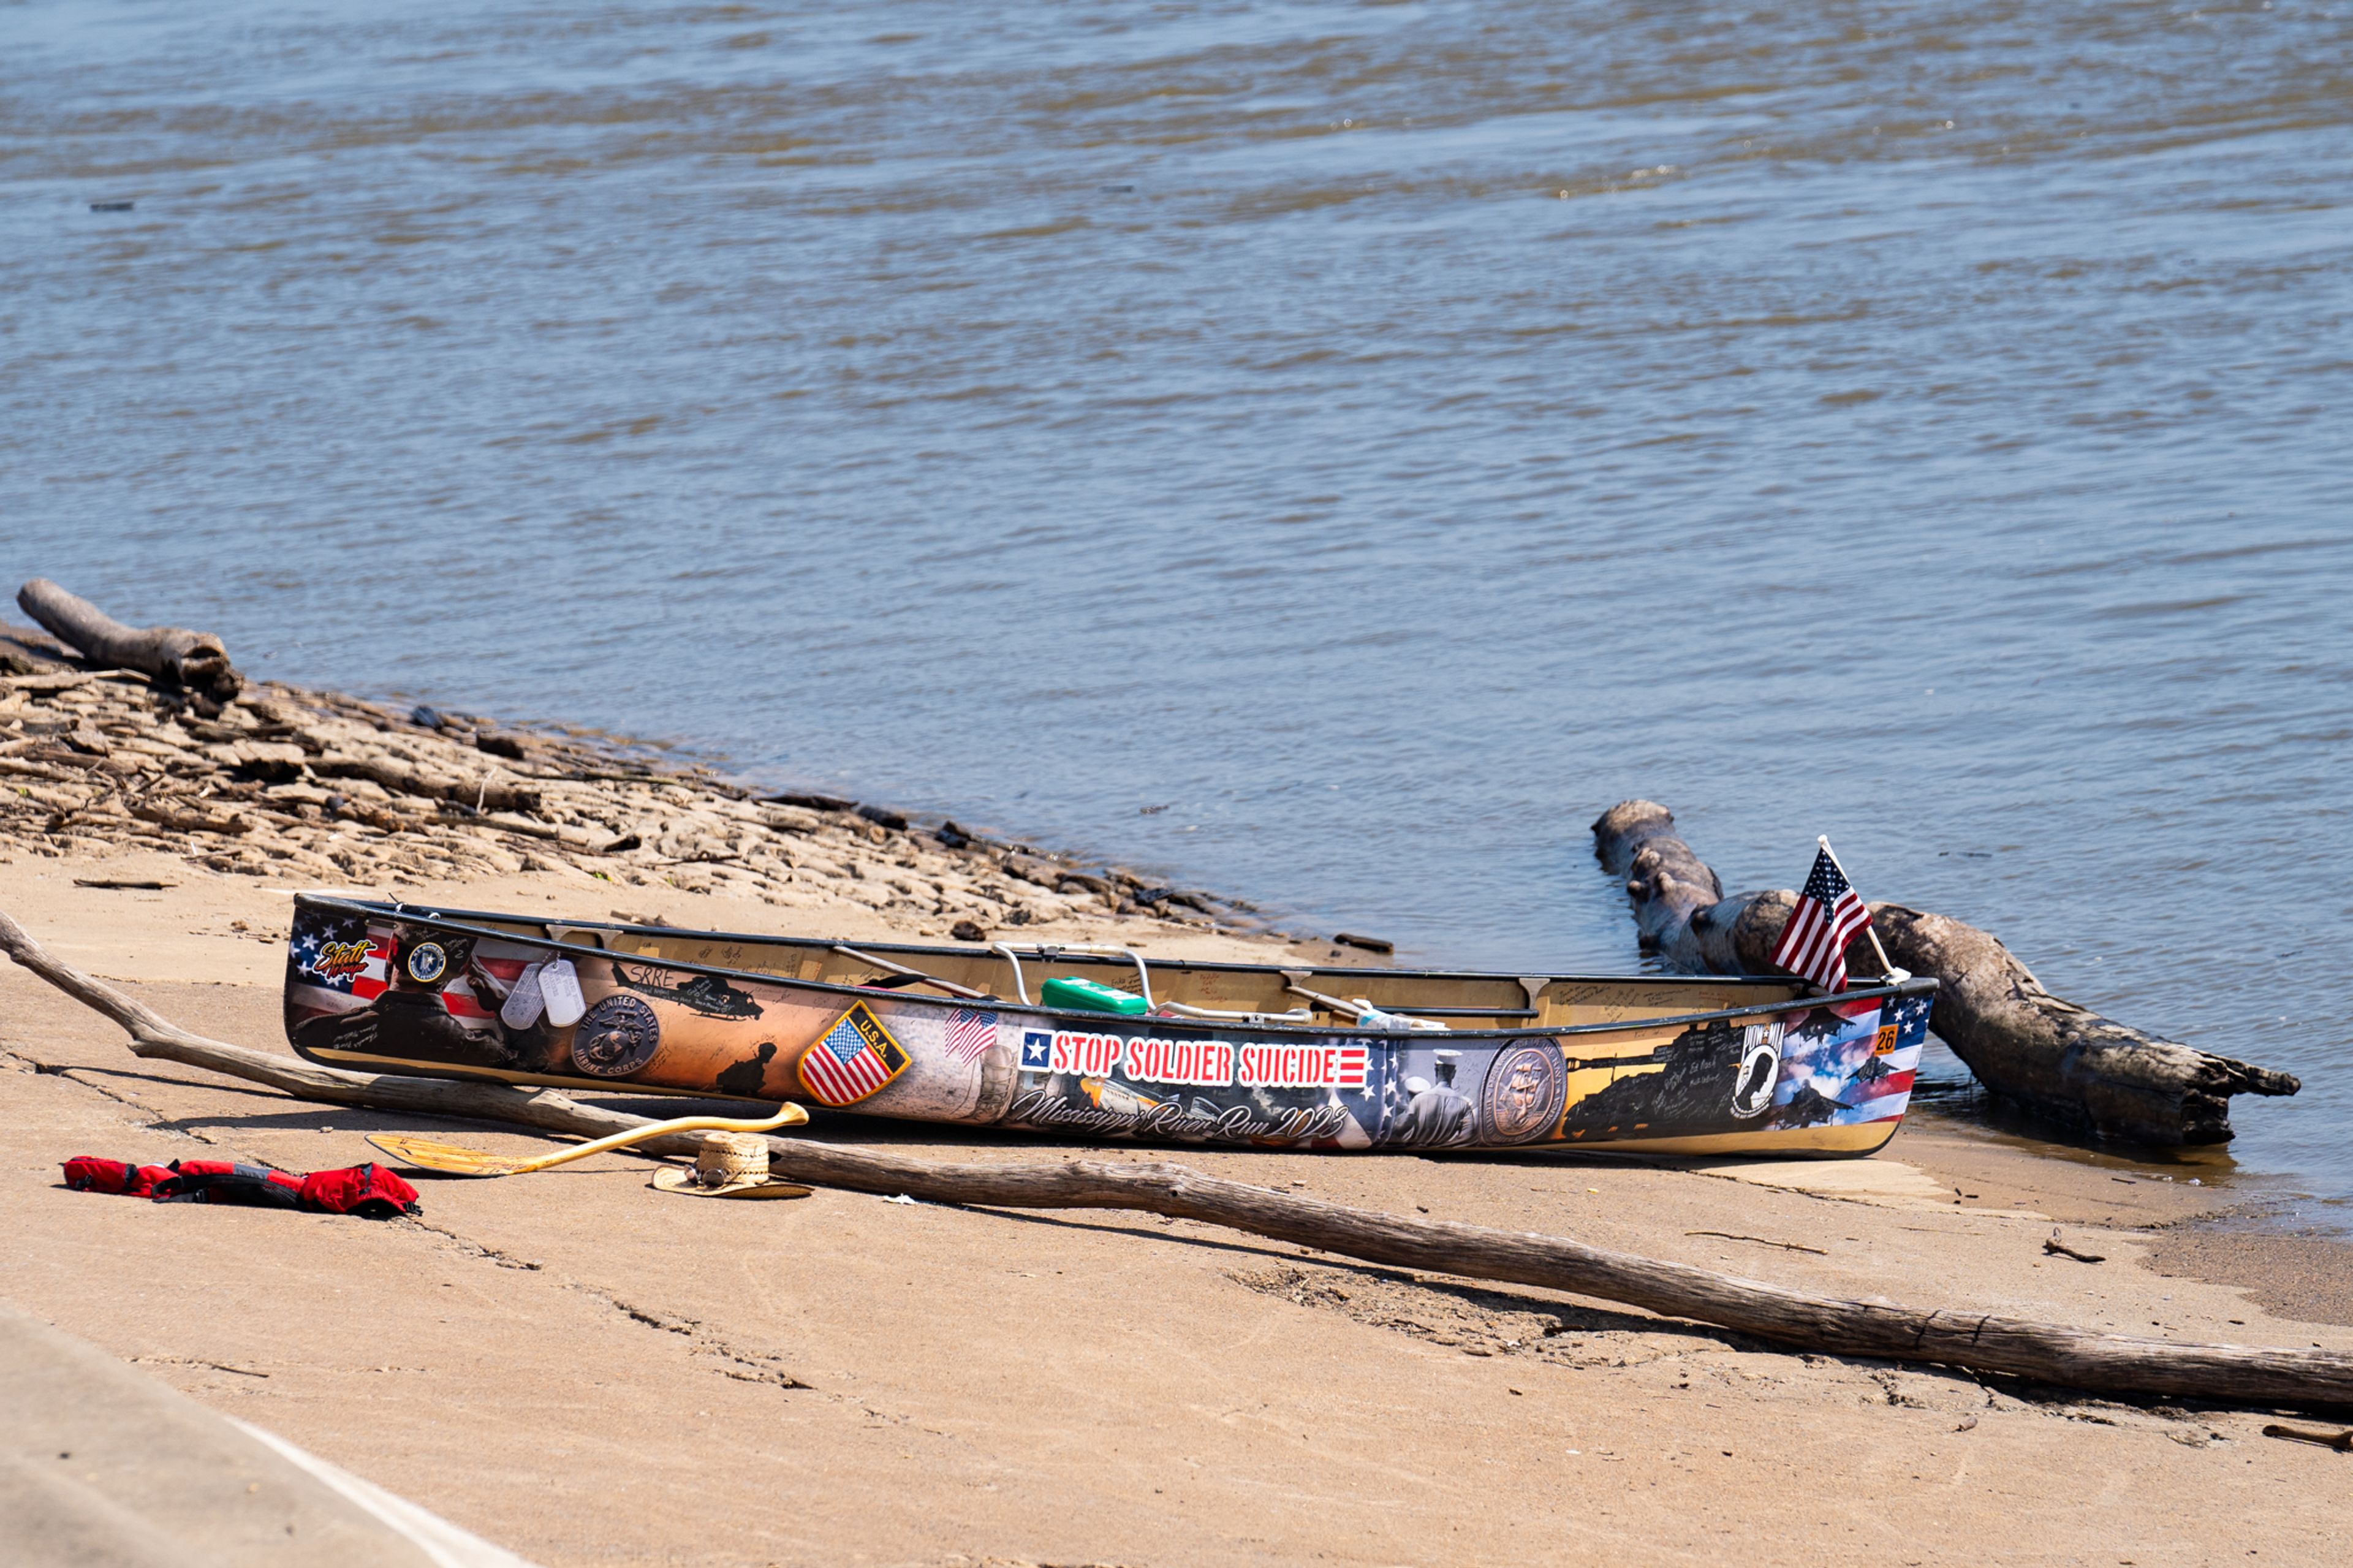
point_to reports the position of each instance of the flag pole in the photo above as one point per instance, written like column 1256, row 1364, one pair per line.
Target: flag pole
column 1886, row 965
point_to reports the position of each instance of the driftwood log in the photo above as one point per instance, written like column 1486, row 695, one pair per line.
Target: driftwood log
column 2047, row 1353
column 2063, row 1062
column 194, row 661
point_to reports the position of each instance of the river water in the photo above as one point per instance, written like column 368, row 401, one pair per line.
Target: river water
column 1325, row 452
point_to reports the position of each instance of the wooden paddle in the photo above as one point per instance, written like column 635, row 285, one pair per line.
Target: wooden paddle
column 454, row 1160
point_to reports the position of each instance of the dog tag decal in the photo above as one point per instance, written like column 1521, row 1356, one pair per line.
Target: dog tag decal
column 524, row 1002
column 559, row 988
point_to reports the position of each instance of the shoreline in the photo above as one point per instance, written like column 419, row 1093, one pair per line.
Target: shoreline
column 927, row 1385
column 324, row 784
column 294, row 782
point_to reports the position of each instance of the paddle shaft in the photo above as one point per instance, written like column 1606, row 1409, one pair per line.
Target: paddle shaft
column 785, row 1116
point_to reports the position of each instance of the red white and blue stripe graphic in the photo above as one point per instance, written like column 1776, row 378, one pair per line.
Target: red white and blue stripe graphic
column 1883, row 1087
column 1851, row 1062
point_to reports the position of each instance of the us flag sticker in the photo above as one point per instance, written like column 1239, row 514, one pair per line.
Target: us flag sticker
column 854, row 1060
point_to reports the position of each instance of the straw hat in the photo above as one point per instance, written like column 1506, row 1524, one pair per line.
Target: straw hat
column 729, row 1165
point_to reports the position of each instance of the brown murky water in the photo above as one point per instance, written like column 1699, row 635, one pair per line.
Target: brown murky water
column 1327, row 451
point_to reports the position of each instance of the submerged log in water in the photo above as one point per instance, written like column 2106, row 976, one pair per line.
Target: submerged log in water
column 2039, row 1051
column 2050, row 1352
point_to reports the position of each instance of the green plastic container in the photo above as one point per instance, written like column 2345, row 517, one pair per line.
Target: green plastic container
column 1091, row 997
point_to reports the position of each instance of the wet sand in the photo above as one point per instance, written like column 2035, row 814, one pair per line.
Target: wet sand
column 2305, row 1274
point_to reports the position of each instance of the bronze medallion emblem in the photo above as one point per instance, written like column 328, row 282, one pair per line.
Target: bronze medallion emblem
column 615, row 1038
column 1525, row 1093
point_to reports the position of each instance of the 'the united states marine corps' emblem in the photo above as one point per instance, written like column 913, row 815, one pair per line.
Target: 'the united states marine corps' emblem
column 615, row 1038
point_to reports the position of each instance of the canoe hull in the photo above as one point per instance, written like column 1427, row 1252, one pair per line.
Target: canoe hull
column 382, row 989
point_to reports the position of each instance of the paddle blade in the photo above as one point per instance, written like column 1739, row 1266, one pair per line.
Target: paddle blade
column 426, row 1155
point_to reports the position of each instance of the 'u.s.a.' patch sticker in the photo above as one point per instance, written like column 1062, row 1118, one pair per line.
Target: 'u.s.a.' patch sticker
column 853, row 1060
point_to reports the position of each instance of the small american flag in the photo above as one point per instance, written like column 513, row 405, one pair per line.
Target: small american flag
column 970, row 1034
column 1828, row 915
column 856, row 1058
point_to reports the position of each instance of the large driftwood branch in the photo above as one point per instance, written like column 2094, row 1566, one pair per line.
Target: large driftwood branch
column 173, row 654
column 2049, row 1353
column 2034, row 1050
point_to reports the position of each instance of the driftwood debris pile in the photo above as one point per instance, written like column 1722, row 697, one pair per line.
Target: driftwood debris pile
column 277, row 780
column 2063, row 1062
column 2048, row 1353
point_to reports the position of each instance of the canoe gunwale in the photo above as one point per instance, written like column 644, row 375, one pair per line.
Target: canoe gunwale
column 460, row 922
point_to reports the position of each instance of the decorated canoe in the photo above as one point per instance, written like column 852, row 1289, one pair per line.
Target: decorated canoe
column 1109, row 1041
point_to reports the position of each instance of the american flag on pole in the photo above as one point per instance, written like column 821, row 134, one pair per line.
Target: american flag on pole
column 854, row 1059
column 970, row 1034
column 1828, row 915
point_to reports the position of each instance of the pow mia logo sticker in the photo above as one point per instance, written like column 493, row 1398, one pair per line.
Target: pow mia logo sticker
column 428, row 962
column 1760, row 1066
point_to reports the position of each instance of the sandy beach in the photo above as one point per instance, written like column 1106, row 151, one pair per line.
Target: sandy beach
column 589, row 1371
column 1242, row 482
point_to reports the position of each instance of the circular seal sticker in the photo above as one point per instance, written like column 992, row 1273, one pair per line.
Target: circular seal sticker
column 1522, row 1097
column 615, row 1038
column 428, row 962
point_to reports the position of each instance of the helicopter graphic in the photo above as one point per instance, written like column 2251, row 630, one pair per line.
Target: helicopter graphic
column 706, row 993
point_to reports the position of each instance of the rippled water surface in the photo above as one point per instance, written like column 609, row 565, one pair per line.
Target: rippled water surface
column 1382, row 434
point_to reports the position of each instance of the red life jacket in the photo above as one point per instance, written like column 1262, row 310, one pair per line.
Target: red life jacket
column 369, row 1191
